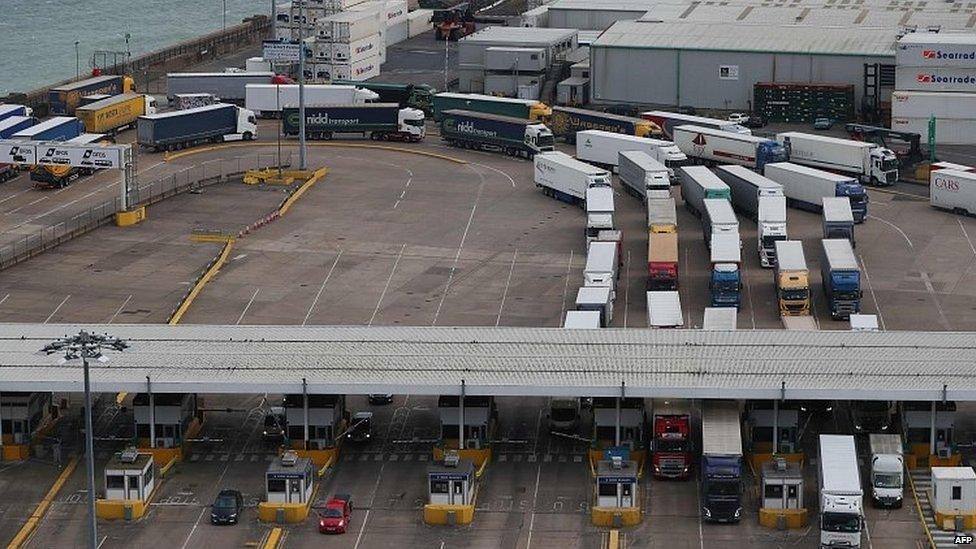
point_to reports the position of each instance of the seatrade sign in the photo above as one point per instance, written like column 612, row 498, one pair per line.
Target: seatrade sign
column 948, row 79
column 924, row 53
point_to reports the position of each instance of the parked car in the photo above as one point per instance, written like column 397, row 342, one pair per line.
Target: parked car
column 226, row 509
column 334, row 519
column 274, row 425
column 380, row 399
column 822, row 123
column 739, row 118
column 755, row 121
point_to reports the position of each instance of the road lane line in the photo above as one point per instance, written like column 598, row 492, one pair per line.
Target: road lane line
column 457, row 256
column 321, row 288
column 372, row 499
column 535, row 498
column 387, row 285
column 867, row 278
column 508, row 283
column 512, row 181
column 248, row 306
column 626, row 288
column 935, row 298
column 4, row 299
column 117, row 311
column 752, row 308
column 901, row 232
column 56, row 309
column 562, row 305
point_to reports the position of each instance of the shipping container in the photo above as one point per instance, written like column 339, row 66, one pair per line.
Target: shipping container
column 348, row 26
column 803, row 102
column 364, row 69
column 927, row 49
column 356, row 51
column 936, row 79
column 65, row 99
column 942, row 105
column 115, row 113
column 230, row 87
column 418, row 22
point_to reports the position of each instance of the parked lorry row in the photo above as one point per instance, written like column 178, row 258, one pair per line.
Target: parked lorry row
column 699, row 183
column 180, row 129
column 806, row 187
column 712, row 146
column 269, row 100
column 871, row 164
column 65, row 99
column 725, row 281
column 513, row 136
column 838, row 219
column 378, row 121
column 763, row 201
column 57, row 128
column 599, row 212
column 566, row 121
column 841, row 277
column 662, row 241
column 721, row 463
column 8, row 110
column 640, row 172
column 792, row 279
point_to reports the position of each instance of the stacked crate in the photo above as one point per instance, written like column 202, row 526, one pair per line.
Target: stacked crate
column 350, row 45
column 803, row 102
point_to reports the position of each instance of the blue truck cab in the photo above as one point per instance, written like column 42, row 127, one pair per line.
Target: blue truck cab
column 768, row 152
column 859, row 199
column 721, row 487
column 841, row 278
column 725, row 284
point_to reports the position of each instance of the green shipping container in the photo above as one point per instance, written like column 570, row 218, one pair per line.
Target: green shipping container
column 803, row 102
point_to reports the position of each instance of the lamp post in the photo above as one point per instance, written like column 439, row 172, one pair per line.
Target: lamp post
column 128, row 53
column 225, row 14
column 87, row 346
column 77, row 60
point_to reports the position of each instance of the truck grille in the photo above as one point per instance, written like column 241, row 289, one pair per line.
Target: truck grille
column 672, row 466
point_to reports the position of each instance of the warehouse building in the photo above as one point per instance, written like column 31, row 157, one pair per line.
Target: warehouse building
column 595, row 15
column 489, row 55
column 712, row 65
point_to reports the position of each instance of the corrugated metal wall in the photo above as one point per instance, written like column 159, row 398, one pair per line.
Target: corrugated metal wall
column 589, row 19
column 647, row 76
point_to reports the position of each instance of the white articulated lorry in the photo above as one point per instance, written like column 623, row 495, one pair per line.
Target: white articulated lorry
column 603, row 148
column 640, row 172
column 268, row 100
column 870, row 163
column 563, row 177
column 841, row 495
column 599, row 211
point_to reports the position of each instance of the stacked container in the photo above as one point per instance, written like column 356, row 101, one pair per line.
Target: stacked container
column 350, row 45
column 936, row 76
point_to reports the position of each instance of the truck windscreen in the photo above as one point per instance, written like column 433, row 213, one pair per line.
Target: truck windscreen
column 840, row 522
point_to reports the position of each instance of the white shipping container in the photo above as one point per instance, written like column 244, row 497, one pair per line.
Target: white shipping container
column 953, row 190
column 536, row 17
column 356, row 51
column 664, row 309
column 418, row 22
column 945, row 79
column 285, row 32
column 913, row 104
column 348, row 26
column 937, row 50
column 392, row 11
column 322, row 51
column 396, row 33
column 358, row 71
column 949, row 131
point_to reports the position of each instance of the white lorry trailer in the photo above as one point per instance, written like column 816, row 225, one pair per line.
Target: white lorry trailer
column 601, row 266
column 806, row 187
column 838, row 219
column 719, row 318
column 771, row 228
column 710, row 146
column 664, row 309
column 841, row 507
column 603, row 149
column 597, row 299
column 953, row 190
column 887, row 470
column 640, row 172
column 871, row 164
column 599, row 211
column 747, row 187
column 699, row 183
column 582, row 320
column 565, row 178
column 718, row 218
column 268, row 100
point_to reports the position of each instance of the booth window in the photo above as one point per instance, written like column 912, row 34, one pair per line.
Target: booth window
column 608, row 489
column 627, row 487
column 147, row 478
column 956, row 493
column 276, row 485
column 774, row 491
column 458, row 487
column 438, row 487
column 114, row 482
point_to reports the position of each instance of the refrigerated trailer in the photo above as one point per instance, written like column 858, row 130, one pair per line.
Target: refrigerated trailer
column 953, row 190
column 268, row 100
column 721, row 476
column 640, row 172
column 699, row 183
column 718, row 218
column 806, row 187
column 565, row 178
column 870, row 163
column 710, row 146
column 230, row 87
column 603, row 148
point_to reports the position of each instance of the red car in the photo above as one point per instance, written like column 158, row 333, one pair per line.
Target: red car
column 334, row 519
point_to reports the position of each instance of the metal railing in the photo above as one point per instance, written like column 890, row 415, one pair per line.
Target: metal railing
column 77, row 223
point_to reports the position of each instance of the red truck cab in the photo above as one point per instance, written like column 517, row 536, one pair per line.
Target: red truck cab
column 671, row 444
column 334, row 519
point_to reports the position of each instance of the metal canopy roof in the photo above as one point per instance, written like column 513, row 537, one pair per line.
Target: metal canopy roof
column 505, row 361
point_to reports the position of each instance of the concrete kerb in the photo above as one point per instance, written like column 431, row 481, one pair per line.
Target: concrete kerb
column 197, row 287
column 27, row 530
column 168, row 157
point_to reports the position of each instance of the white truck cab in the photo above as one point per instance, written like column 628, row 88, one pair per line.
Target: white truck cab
column 771, row 226
column 411, row 122
column 887, row 470
column 884, row 166
column 841, row 509
column 539, row 138
column 247, row 126
column 150, row 107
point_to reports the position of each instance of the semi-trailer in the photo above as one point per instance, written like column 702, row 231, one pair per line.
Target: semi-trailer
column 596, row 298
column 183, row 101
column 14, row 124
column 65, row 99
column 699, row 183
column 566, row 121
column 887, row 469
column 563, row 177
column 378, row 121
column 230, row 87
column 670, row 120
column 841, row 507
column 580, row 320
column 725, row 281
column 805, row 188
column 603, row 149
column 513, row 136
column 841, row 276
column 664, row 309
column 799, row 323
column 710, row 146
column 269, row 100
column 662, row 216
column 490, row 104
column 58, row 128
column 180, row 129
column 747, row 187
column 116, row 112
column 771, row 228
column 662, row 261
column 8, row 110
column 719, row 319
column 599, row 211
column 718, row 218
column 601, row 267
column 671, row 443
column 838, row 220
column 640, row 172
column 417, row 96
column 47, row 175
column 792, row 279
column 870, row 163
column 953, row 190
column 721, row 476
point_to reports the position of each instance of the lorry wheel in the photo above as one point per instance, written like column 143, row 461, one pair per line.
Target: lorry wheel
column 248, row 136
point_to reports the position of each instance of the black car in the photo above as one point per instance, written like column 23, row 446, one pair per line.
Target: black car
column 227, row 507
column 755, row 121
column 359, row 429
column 380, row 398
